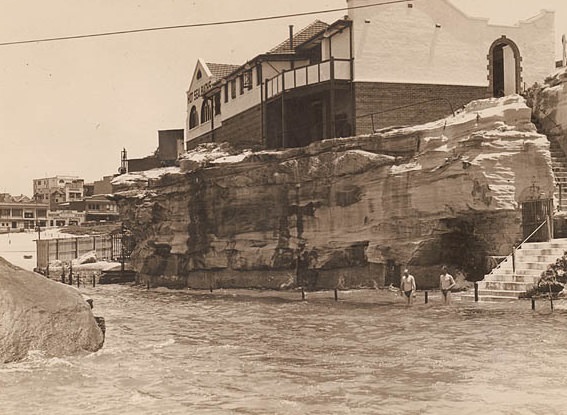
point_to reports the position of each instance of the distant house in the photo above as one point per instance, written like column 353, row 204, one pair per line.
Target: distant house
column 100, row 209
column 19, row 213
column 379, row 66
column 58, row 189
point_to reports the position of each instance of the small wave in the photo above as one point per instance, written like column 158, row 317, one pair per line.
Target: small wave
column 142, row 396
column 163, row 344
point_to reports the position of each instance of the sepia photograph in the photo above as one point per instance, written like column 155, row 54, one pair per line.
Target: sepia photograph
column 277, row 208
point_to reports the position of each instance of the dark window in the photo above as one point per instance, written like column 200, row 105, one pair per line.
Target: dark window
column 225, row 92
column 205, row 111
column 193, row 118
column 248, row 82
column 233, row 88
column 241, row 81
column 258, row 74
column 217, row 103
column 199, row 74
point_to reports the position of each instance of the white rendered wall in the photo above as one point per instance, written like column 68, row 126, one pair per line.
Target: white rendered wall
column 509, row 71
column 435, row 43
column 337, row 45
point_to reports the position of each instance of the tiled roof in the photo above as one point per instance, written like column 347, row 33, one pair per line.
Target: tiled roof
column 298, row 38
column 8, row 198
column 220, row 70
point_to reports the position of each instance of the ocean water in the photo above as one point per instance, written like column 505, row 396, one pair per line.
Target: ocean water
column 267, row 352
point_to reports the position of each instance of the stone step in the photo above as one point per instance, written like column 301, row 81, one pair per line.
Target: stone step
column 557, row 242
column 548, row 259
column 487, row 298
column 528, row 250
column 530, row 272
column 504, row 285
column 500, row 293
column 511, row 278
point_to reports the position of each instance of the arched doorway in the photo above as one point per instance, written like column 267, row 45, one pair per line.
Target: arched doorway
column 505, row 70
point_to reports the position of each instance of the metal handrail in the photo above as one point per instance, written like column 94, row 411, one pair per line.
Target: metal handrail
column 519, row 246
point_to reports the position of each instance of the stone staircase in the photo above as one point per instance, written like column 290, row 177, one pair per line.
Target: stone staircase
column 559, row 166
column 533, row 258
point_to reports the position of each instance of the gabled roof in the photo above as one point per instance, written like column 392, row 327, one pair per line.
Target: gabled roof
column 220, row 70
column 8, row 198
column 300, row 37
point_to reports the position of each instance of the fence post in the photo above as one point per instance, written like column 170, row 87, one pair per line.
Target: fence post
column 336, row 295
column 426, row 297
column 514, row 260
column 476, row 292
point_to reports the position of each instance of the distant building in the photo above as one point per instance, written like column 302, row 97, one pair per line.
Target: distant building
column 103, row 186
column 380, row 66
column 100, row 209
column 58, row 189
column 170, row 147
column 88, row 189
column 60, row 218
column 21, row 213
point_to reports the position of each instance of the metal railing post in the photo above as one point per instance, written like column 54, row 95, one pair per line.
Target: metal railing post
column 514, row 260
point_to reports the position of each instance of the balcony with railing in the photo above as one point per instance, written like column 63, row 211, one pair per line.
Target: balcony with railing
column 330, row 70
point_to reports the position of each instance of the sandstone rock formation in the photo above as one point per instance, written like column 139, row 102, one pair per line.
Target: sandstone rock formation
column 37, row 314
column 342, row 212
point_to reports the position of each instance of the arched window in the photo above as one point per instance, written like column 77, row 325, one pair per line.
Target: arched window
column 193, row 118
column 205, row 111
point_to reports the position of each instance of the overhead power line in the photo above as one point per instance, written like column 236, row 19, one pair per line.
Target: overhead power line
column 192, row 25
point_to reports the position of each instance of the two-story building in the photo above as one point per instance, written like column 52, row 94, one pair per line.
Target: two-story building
column 381, row 65
column 18, row 213
column 58, row 189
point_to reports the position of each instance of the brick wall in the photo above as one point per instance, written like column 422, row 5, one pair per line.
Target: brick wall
column 241, row 131
column 373, row 97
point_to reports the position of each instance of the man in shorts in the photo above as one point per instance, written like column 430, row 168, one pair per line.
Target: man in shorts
column 446, row 283
column 407, row 286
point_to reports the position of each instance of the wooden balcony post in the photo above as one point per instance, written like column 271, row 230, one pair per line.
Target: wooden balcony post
column 332, row 100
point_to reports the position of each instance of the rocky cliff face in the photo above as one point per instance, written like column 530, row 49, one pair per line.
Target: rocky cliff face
column 342, row 212
column 37, row 314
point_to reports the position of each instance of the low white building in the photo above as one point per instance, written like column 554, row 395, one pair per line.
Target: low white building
column 18, row 213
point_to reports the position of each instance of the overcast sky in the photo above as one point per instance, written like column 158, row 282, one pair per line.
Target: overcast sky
column 69, row 107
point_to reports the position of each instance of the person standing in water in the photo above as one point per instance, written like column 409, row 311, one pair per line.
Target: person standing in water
column 407, row 286
column 446, row 283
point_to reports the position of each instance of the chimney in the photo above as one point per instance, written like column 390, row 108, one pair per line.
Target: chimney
column 291, row 37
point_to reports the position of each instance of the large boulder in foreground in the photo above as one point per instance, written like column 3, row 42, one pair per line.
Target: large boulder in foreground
column 39, row 314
